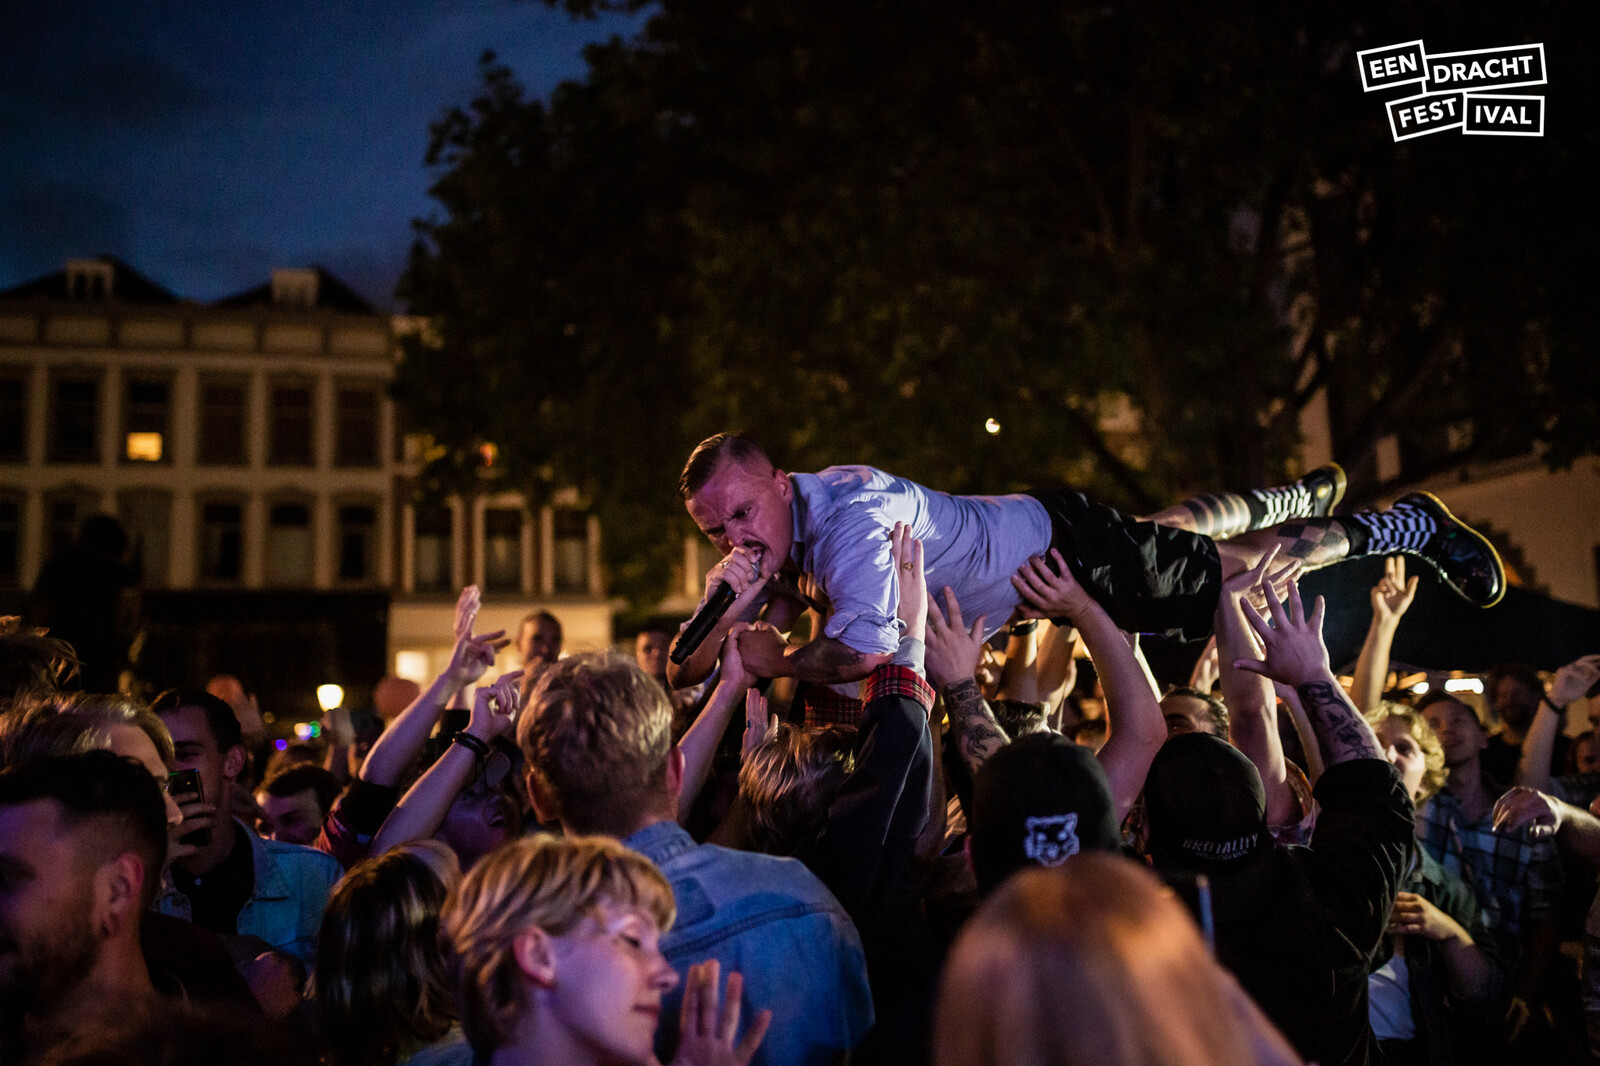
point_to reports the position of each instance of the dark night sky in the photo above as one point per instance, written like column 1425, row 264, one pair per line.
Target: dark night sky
column 205, row 143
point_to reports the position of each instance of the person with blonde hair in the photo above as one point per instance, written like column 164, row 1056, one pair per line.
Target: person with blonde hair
column 553, row 947
column 1094, row 963
column 381, row 993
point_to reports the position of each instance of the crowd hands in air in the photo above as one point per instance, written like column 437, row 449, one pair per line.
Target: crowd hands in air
column 1005, row 843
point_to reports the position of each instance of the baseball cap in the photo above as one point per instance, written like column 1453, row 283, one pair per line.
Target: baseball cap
column 1038, row 801
column 1204, row 805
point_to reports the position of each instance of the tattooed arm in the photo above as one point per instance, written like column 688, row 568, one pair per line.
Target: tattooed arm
column 953, row 652
column 1295, row 655
column 825, row 660
column 972, row 724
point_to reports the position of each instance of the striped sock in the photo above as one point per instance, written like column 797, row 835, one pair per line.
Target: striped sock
column 1404, row 527
column 1268, row 507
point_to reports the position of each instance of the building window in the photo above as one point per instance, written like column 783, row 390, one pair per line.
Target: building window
column 289, row 544
column 358, row 540
column 290, row 425
column 433, row 567
column 221, row 542
column 147, row 516
column 88, row 279
column 13, row 415
column 571, row 558
column 223, row 414
column 146, row 414
column 64, row 512
column 356, row 426
column 10, row 541
column 502, row 550
column 75, row 419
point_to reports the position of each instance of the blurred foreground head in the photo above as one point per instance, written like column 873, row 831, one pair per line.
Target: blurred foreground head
column 1102, row 935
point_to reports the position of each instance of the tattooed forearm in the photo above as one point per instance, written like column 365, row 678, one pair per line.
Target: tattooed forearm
column 977, row 732
column 1341, row 732
column 829, row 661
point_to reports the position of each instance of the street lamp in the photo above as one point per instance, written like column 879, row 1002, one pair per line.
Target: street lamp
column 329, row 697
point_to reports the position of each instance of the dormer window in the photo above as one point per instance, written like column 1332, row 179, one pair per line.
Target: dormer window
column 88, row 279
column 294, row 289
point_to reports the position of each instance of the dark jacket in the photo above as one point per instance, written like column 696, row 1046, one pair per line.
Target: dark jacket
column 1298, row 925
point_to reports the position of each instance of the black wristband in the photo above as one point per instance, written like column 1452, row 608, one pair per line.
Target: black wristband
column 477, row 746
column 1548, row 702
column 1023, row 628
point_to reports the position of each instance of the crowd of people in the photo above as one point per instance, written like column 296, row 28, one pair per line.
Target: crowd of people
column 918, row 798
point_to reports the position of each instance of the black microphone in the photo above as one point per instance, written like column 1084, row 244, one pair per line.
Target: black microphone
column 704, row 621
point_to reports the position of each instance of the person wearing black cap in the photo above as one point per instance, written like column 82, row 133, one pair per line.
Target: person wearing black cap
column 1298, row 926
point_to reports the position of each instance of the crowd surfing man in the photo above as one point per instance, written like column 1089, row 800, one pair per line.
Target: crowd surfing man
column 793, row 541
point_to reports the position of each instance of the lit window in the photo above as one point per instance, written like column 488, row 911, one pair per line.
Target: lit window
column 144, row 447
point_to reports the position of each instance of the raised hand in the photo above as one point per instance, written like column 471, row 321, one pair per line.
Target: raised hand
column 1392, row 595
column 759, row 725
column 1574, row 680
column 953, row 651
column 709, row 1022
column 1050, row 593
column 905, row 551
column 1527, row 809
column 1293, row 647
column 467, row 611
column 495, row 706
column 1246, row 584
column 473, row 655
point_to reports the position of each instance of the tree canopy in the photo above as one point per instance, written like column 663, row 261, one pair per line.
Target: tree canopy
column 1140, row 238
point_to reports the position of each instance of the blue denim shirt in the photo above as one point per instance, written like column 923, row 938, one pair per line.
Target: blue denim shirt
column 292, row 888
column 775, row 923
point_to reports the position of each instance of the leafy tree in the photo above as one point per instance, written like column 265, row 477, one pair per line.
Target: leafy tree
column 863, row 229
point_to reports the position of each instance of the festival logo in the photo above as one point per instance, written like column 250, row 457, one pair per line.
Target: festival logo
column 1459, row 90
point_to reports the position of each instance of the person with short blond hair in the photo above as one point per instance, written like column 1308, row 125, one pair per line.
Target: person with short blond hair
column 597, row 737
column 553, row 950
column 788, row 783
column 1099, row 933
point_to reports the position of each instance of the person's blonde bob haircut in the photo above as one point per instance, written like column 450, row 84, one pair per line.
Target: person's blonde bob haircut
column 1434, row 777
column 1093, row 963
column 545, row 882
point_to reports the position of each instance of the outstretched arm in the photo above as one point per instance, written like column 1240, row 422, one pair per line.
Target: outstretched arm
column 422, row 809
column 1538, row 746
column 1391, row 599
column 1296, row 656
column 1135, row 728
column 954, row 652
column 1252, row 709
column 699, row 744
column 824, row 661
column 402, row 742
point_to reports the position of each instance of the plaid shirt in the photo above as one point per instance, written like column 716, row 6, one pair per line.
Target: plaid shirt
column 1516, row 881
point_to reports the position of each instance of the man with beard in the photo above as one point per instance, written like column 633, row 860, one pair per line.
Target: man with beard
column 82, row 842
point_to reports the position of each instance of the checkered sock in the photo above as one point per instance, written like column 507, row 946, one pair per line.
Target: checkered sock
column 1404, row 527
column 1268, row 507
column 1219, row 515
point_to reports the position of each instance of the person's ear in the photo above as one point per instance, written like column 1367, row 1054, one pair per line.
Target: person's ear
column 119, row 894
column 545, row 808
column 233, row 762
column 785, row 486
column 531, row 950
column 675, row 769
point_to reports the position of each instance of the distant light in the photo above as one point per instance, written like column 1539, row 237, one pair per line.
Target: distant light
column 1464, row 684
column 489, row 453
column 413, row 666
column 329, row 697
column 991, row 427
column 281, row 745
column 144, row 447
column 1419, row 688
column 303, row 730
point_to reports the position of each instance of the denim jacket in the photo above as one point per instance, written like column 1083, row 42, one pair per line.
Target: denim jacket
column 775, row 923
column 292, row 888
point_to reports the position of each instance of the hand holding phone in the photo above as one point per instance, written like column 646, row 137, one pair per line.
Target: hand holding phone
column 185, row 789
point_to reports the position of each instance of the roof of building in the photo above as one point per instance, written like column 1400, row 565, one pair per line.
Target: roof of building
column 331, row 294
column 127, row 284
